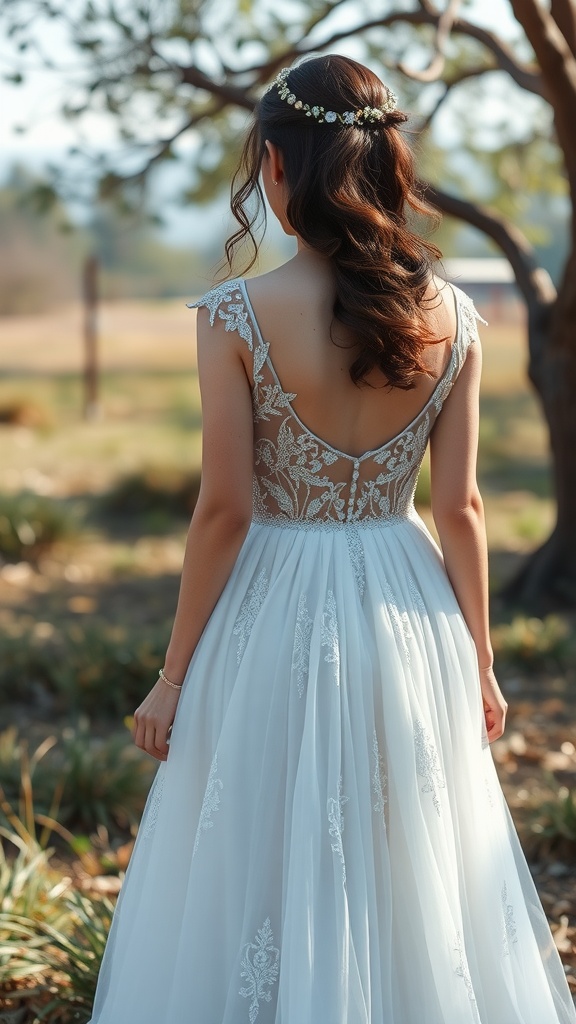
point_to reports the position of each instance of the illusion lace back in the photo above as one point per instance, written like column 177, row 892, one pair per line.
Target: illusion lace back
column 298, row 477
column 328, row 841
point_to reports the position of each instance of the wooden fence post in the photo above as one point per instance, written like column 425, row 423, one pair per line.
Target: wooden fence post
column 92, row 408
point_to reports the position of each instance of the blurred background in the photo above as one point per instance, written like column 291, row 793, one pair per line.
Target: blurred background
column 121, row 127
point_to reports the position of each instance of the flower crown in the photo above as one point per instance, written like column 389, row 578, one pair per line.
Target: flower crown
column 364, row 115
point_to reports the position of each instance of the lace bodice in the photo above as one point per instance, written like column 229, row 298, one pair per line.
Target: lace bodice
column 299, row 479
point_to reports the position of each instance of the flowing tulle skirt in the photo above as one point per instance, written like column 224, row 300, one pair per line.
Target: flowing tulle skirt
column 328, row 841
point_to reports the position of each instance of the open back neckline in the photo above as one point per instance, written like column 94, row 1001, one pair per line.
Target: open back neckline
column 356, row 459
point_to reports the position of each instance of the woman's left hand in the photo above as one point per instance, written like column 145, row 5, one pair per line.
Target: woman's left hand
column 153, row 720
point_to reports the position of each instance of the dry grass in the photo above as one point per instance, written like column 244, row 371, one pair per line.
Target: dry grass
column 149, row 335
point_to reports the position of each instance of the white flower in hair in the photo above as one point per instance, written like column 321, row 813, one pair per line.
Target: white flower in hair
column 362, row 116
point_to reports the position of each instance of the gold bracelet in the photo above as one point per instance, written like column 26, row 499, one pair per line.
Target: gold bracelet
column 175, row 686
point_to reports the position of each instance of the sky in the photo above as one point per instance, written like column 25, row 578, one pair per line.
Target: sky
column 36, row 105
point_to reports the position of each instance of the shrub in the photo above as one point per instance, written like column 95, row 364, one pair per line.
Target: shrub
column 553, row 823
column 535, row 644
column 51, row 937
column 30, row 523
column 84, row 781
column 94, row 668
column 105, row 782
column 156, row 495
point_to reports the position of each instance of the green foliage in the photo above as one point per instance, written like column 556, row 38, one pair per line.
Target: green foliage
column 535, row 644
column 51, row 937
column 65, row 959
column 30, row 523
column 84, row 781
column 553, row 822
column 157, row 494
column 104, row 782
column 507, row 131
column 97, row 669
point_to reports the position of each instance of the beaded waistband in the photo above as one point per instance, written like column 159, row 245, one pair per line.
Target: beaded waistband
column 394, row 519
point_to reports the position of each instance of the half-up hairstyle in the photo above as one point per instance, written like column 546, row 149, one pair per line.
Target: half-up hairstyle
column 350, row 189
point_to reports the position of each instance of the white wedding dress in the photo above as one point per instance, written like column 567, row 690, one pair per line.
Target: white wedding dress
column 328, row 841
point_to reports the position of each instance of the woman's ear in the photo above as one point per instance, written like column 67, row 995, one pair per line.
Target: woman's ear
column 274, row 156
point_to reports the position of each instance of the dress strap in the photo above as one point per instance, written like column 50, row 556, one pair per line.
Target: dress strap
column 229, row 301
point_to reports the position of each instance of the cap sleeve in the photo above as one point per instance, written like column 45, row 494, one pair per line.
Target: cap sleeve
column 468, row 317
column 227, row 300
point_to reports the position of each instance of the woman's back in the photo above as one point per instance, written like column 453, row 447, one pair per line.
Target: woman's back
column 293, row 306
column 328, row 451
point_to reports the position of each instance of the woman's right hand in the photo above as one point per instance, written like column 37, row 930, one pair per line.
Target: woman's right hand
column 495, row 707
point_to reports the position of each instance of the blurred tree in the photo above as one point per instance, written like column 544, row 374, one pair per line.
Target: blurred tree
column 162, row 69
column 37, row 255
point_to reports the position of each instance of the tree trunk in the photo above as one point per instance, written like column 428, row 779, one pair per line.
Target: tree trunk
column 547, row 580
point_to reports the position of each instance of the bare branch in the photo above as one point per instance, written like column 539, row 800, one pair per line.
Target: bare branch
column 164, row 145
column 525, row 75
column 436, row 66
column 533, row 281
column 228, row 93
column 462, row 76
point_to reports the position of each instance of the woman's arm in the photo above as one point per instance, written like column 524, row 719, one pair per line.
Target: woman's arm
column 459, row 517
column 219, row 524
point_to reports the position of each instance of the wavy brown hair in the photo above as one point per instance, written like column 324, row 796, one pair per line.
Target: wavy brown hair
column 351, row 189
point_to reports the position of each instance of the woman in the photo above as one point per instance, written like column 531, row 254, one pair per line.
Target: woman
column 326, row 840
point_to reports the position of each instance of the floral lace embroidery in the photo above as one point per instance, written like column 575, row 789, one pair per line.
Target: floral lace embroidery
column 272, row 402
column 469, row 315
column 489, row 791
column 259, row 964
column 416, row 596
column 428, row 763
column 378, row 779
column 509, row 933
column 235, row 317
column 292, row 464
column 330, row 633
column 291, row 479
column 155, row 801
column 248, row 613
column 463, row 971
column 301, row 649
column 334, row 808
column 210, row 803
column 400, row 620
column 356, row 551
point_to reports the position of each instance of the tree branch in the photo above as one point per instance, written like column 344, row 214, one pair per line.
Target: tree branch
column 228, row 93
column 164, row 145
column 564, row 14
column 438, row 62
column 462, row 76
column 558, row 71
column 526, row 76
column 533, row 281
